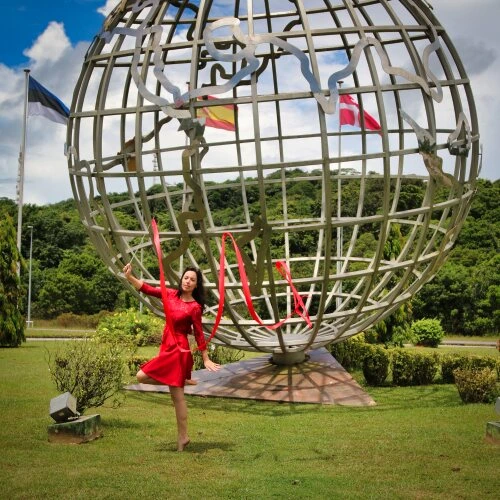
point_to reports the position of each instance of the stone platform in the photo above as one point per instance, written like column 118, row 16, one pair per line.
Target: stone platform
column 320, row 379
column 493, row 432
column 80, row 430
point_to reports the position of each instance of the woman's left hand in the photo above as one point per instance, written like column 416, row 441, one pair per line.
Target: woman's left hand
column 211, row 366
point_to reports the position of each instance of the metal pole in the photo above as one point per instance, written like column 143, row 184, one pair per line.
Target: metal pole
column 29, row 322
column 140, row 301
column 20, row 179
column 338, row 299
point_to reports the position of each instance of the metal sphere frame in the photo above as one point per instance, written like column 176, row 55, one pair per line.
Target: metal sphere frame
column 268, row 58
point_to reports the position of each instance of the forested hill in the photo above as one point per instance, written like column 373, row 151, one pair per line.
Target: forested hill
column 68, row 276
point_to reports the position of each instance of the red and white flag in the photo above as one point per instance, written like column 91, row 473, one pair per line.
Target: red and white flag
column 349, row 114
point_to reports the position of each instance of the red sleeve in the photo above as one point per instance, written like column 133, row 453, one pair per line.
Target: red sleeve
column 198, row 329
column 150, row 290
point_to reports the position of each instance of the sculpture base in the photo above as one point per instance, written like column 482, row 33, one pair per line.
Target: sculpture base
column 319, row 379
column 289, row 358
column 493, row 432
column 80, row 430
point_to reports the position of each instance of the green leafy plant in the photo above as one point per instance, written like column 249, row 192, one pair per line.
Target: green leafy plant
column 427, row 332
column 134, row 362
column 350, row 352
column 476, row 385
column 376, row 364
column 11, row 291
column 402, row 367
column 413, row 368
column 425, row 368
column 450, row 362
column 130, row 328
column 90, row 371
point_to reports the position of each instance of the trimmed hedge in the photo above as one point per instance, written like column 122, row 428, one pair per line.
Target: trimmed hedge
column 351, row 352
column 376, row 363
column 479, row 374
column 414, row 368
column 451, row 362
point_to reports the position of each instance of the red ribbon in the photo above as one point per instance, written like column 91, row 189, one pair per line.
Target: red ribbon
column 299, row 306
column 168, row 319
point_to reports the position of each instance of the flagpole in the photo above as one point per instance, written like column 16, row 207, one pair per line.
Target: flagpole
column 338, row 299
column 20, row 178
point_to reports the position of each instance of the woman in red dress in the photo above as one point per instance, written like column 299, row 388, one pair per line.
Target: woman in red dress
column 174, row 362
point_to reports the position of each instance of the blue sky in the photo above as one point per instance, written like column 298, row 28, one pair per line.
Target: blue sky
column 25, row 20
column 51, row 39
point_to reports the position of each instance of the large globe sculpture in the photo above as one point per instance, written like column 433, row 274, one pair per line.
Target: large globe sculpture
column 284, row 176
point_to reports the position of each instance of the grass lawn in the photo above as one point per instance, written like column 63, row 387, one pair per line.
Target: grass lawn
column 419, row 442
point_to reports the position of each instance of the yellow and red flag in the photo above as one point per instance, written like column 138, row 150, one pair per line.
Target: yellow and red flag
column 220, row 116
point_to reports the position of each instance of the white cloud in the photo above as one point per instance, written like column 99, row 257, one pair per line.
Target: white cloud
column 57, row 64
column 50, row 45
column 106, row 9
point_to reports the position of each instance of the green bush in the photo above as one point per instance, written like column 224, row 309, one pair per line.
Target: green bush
column 350, row 352
column 218, row 354
column 451, row 362
column 134, row 362
column 130, row 328
column 376, row 364
column 425, row 368
column 476, row 385
column 402, row 367
column 90, row 371
column 427, row 332
column 413, row 368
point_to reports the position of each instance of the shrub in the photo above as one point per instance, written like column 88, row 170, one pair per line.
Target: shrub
column 451, row 362
column 218, row 354
column 90, row 371
column 134, row 362
column 476, row 385
column 350, row 352
column 376, row 364
column 414, row 368
column 402, row 367
column 427, row 332
column 425, row 368
column 130, row 328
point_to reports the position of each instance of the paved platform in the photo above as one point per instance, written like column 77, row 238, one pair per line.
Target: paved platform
column 320, row 379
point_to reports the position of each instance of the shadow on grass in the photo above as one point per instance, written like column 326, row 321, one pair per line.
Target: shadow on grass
column 194, row 447
column 228, row 405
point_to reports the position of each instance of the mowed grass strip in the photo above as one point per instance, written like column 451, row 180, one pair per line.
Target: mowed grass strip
column 418, row 442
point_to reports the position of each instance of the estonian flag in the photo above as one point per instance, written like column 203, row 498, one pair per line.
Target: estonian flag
column 44, row 103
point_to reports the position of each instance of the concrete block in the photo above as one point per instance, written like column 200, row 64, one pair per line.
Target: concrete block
column 493, row 432
column 63, row 407
column 80, row 430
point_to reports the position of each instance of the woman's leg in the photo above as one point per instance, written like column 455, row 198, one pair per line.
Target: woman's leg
column 180, row 405
column 142, row 378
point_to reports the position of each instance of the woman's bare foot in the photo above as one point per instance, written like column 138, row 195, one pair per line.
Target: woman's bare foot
column 191, row 381
column 182, row 443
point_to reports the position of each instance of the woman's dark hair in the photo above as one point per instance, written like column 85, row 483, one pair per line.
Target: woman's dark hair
column 199, row 291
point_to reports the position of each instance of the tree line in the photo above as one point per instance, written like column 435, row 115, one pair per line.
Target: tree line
column 69, row 277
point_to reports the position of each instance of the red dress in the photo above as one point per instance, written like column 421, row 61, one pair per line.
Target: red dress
column 174, row 362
